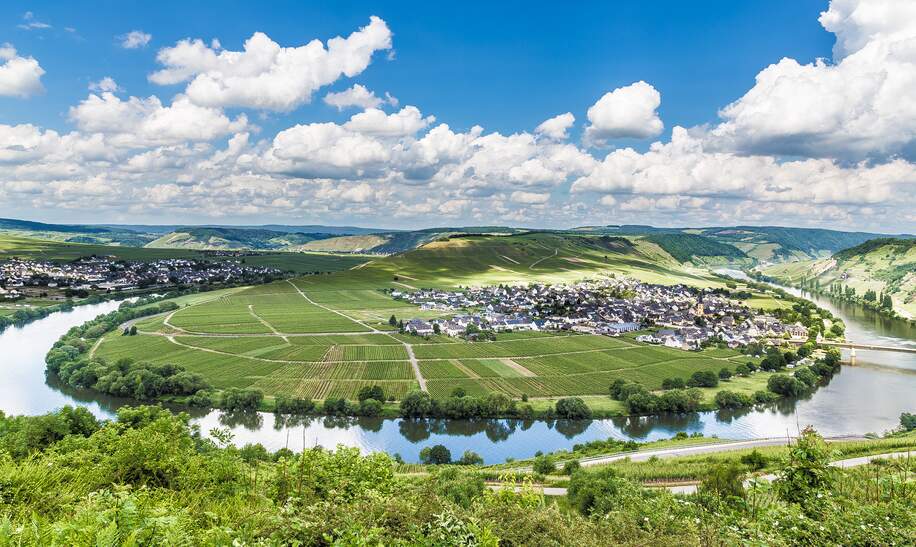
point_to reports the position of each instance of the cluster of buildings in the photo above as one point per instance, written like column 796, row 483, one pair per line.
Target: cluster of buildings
column 104, row 273
column 685, row 317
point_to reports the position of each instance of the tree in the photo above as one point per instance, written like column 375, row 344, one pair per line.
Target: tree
column 725, row 373
column 673, row 383
column 459, row 392
column 370, row 407
column 436, row 328
column 731, row 399
column 573, row 408
column 371, row 392
column 908, row 421
column 436, row 455
column 416, row 404
column 742, row 370
column 571, row 466
column 133, row 330
column 703, row 378
column 393, row 321
column 470, row 458
column 786, row 386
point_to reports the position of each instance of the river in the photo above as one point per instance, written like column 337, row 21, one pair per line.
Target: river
column 868, row 397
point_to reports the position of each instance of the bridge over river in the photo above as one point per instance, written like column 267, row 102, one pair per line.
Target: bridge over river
column 870, row 347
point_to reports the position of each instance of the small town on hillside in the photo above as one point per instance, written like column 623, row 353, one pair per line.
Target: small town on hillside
column 685, row 317
column 108, row 274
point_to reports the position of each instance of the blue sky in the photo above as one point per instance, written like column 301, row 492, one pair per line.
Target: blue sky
column 505, row 67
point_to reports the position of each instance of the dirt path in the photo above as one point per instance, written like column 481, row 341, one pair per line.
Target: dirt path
column 538, row 261
column 266, row 324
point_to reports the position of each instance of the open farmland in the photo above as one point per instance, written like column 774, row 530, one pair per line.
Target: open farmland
column 284, row 342
column 328, row 336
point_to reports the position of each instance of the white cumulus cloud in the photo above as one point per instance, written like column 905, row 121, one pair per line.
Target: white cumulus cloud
column 19, row 76
column 358, row 96
column 859, row 105
column 626, row 112
column 556, row 127
column 266, row 75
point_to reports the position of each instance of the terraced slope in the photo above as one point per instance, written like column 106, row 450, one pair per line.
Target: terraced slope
column 881, row 265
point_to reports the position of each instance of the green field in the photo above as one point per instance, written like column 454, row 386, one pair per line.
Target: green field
column 273, row 338
column 328, row 335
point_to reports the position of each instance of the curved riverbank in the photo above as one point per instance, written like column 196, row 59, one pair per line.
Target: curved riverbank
column 865, row 398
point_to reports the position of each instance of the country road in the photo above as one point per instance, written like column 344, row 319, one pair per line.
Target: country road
column 692, row 488
column 692, row 450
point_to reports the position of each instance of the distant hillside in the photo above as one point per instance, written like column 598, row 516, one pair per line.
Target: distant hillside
column 232, row 238
column 481, row 259
column 695, row 248
column 74, row 233
column 882, row 265
column 760, row 243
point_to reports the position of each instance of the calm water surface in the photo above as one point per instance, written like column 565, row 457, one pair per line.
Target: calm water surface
column 868, row 397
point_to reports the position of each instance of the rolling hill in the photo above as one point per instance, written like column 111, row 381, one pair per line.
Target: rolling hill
column 883, row 265
column 763, row 244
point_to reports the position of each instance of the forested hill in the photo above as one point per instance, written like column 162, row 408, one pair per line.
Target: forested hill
column 690, row 247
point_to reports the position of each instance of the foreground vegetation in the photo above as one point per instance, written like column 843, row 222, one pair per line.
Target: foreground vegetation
column 149, row 478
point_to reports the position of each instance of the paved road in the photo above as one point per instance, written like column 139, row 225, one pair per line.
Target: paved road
column 692, row 488
column 693, row 450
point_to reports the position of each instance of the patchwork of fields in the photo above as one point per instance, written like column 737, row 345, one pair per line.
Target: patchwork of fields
column 287, row 339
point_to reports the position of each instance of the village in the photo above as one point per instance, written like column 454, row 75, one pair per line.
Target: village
column 108, row 274
column 675, row 316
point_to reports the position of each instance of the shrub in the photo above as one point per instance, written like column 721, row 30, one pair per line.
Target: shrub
column 742, row 370
column 673, row 383
column 724, row 480
column 544, row 465
column 755, row 460
column 459, row 487
column 806, row 470
column 571, row 466
column 595, row 492
column 725, row 373
column 573, row 408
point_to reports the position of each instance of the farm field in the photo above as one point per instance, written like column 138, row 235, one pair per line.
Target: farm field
column 283, row 342
column 328, row 335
